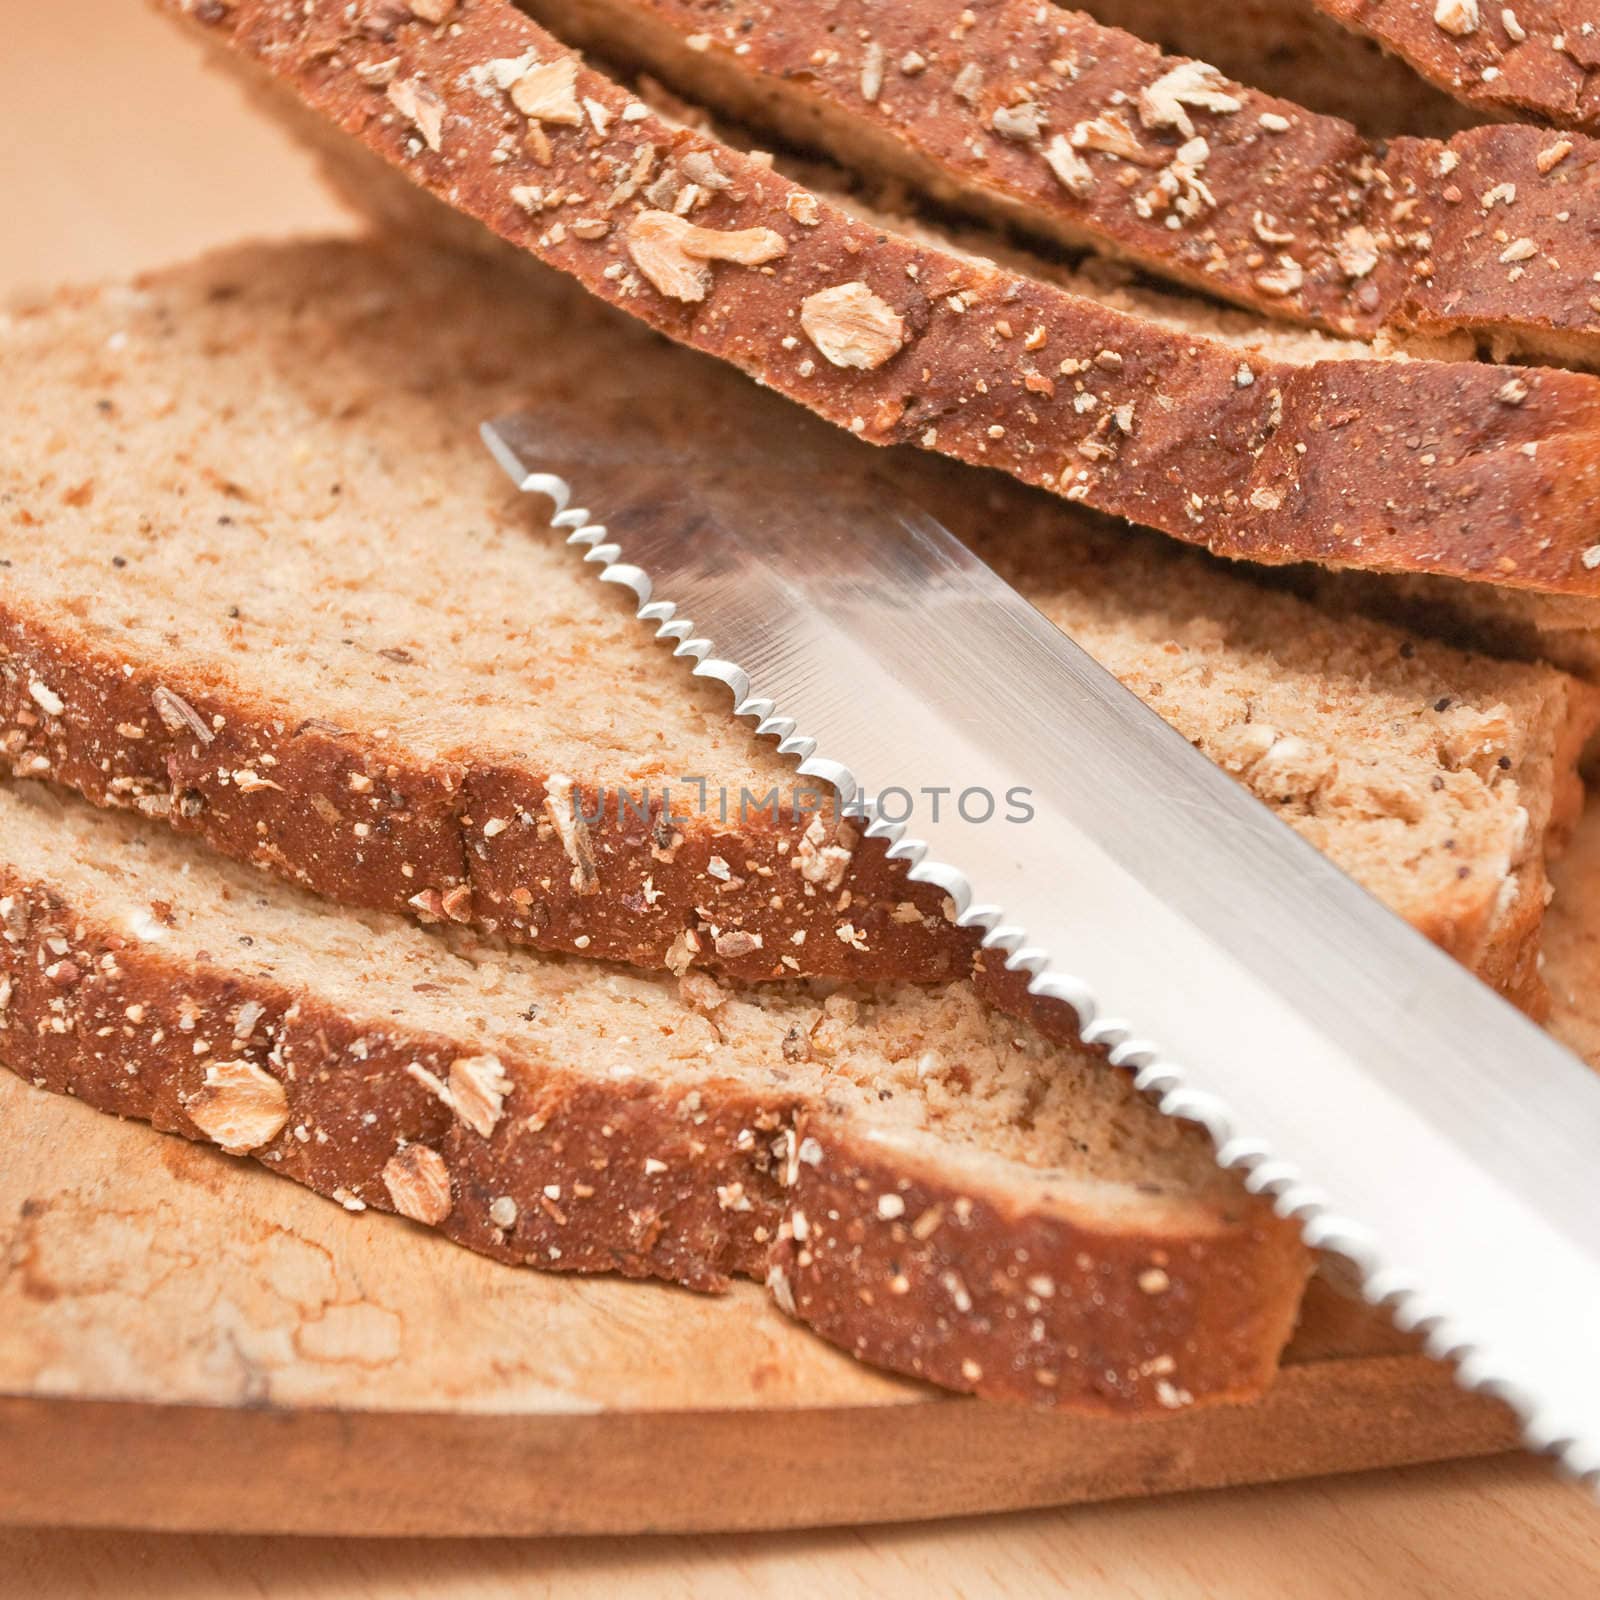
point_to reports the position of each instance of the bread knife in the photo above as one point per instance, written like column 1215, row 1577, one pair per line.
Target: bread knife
column 1409, row 1119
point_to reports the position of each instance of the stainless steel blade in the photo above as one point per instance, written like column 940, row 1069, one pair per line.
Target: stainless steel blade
column 1410, row 1119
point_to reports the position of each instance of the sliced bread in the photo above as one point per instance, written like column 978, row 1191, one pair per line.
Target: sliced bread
column 1290, row 48
column 1394, row 66
column 1092, row 139
column 1253, row 448
column 932, row 1186
column 1536, row 57
column 261, row 578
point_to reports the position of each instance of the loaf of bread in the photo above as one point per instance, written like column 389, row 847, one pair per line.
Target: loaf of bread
column 932, row 1186
column 260, row 589
column 1092, row 139
column 262, row 579
column 1251, row 442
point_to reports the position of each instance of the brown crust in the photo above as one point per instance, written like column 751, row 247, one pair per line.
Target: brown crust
column 414, row 842
column 1544, row 62
column 1500, row 205
column 1377, row 236
column 628, row 1176
column 1396, row 466
column 358, row 815
column 1289, row 48
column 123, row 1037
column 948, row 1285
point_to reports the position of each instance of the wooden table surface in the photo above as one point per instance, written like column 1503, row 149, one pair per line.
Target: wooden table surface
column 119, row 155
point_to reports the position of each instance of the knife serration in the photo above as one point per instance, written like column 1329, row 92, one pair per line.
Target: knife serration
column 1413, row 1122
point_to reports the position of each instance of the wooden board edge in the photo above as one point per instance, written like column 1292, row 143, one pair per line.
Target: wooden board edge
column 65, row 1461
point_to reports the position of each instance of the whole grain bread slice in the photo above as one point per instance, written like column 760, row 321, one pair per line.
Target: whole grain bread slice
column 1290, row 48
column 1089, row 138
column 1533, row 58
column 931, row 1185
column 1395, row 66
column 261, row 579
column 1250, row 447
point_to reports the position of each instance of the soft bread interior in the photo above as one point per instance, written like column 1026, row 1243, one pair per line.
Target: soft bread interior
column 241, row 474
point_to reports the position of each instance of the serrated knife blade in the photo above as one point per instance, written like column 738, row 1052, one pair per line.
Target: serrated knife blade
column 1411, row 1120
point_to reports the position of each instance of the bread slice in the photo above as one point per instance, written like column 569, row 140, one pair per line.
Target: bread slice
column 1535, row 58
column 261, row 578
column 1091, row 139
column 1458, row 468
column 1394, row 66
column 1293, row 49
column 930, row 1185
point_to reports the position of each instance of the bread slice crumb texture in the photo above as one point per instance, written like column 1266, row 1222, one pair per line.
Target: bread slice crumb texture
column 263, row 580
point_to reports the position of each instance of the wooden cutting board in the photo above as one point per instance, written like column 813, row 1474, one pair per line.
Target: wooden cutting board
column 187, row 1342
